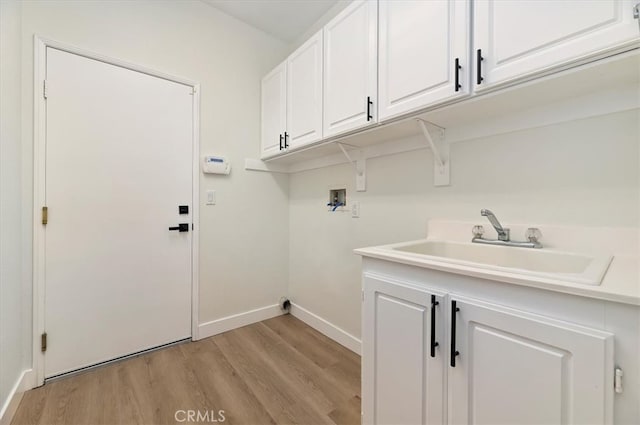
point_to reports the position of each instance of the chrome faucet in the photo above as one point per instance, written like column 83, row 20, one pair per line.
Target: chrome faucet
column 503, row 234
column 533, row 234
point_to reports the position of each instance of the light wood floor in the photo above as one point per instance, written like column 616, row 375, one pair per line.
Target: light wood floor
column 279, row 371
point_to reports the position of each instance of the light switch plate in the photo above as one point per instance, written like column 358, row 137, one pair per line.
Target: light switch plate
column 211, row 197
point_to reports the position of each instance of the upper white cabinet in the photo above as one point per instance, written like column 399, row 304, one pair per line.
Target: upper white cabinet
column 350, row 68
column 292, row 100
column 520, row 38
column 379, row 61
column 514, row 367
column 423, row 54
column 304, row 93
column 403, row 354
column 274, row 110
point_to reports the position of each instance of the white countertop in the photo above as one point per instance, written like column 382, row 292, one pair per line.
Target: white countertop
column 621, row 283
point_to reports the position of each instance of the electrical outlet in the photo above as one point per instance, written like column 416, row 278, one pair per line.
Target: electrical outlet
column 355, row 209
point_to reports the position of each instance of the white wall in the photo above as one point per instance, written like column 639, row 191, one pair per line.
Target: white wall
column 338, row 7
column 13, row 328
column 243, row 263
column 583, row 173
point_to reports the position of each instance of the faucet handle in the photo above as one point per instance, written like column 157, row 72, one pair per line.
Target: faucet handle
column 533, row 234
column 477, row 231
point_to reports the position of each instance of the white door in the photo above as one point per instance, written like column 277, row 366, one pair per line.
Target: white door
column 403, row 354
column 304, row 93
column 350, row 68
column 119, row 150
column 519, row 368
column 519, row 38
column 423, row 55
column 274, row 111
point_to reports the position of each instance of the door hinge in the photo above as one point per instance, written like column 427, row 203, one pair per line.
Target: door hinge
column 617, row 381
column 45, row 215
column 44, row 89
column 43, row 342
column 363, row 295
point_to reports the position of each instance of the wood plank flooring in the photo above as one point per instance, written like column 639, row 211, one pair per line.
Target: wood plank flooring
column 279, row 371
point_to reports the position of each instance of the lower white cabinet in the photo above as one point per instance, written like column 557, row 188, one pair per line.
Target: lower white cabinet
column 432, row 357
column 402, row 378
column 514, row 367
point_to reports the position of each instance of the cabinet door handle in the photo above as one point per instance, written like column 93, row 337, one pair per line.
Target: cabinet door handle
column 479, row 60
column 434, row 343
column 454, row 352
column 281, row 147
column 286, row 143
column 369, row 104
column 458, row 68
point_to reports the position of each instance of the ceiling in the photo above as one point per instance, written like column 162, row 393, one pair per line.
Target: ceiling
column 284, row 19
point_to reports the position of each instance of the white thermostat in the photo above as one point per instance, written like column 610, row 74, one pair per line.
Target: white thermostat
column 216, row 165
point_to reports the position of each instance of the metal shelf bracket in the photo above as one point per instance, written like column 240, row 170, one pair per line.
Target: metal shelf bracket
column 360, row 165
column 440, row 149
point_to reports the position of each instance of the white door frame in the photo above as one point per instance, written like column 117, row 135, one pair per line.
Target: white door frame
column 39, row 180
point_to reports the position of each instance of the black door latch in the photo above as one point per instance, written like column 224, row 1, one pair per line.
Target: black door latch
column 182, row 227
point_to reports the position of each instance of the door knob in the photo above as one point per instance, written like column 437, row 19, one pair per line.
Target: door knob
column 182, row 227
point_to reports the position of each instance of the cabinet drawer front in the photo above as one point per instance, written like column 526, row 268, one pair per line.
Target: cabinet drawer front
column 520, row 38
column 516, row 367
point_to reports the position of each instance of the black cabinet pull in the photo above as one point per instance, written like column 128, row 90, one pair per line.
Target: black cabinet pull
column 369, row 105
column 454, row 352
column 281, row 147
column 182, row 227
column 479, row 60
column 434, row 343
column 286, row 138
column 458, row 68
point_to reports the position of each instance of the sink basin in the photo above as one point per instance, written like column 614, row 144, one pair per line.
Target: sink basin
column 545, row 263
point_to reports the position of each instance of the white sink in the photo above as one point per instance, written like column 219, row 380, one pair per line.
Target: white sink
column 544, row 263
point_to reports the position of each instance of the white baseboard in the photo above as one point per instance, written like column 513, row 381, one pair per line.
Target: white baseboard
column 228, row 323
column 329, row 329
column 10, row 405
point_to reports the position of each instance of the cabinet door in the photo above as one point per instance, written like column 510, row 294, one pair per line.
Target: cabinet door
column 420, row 44
column 350, row 68
column 517, row 368
column 274, row 110
column 304, row 93
column 401, row 382
column 523, row 37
